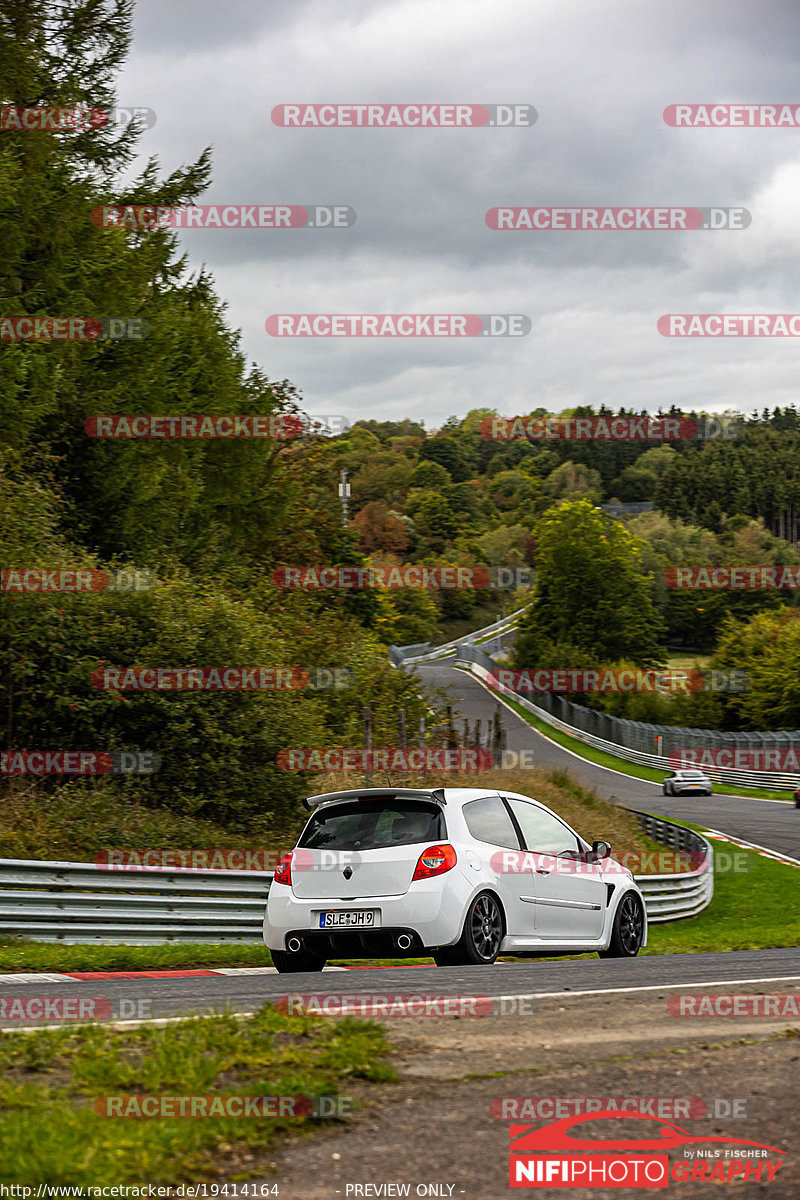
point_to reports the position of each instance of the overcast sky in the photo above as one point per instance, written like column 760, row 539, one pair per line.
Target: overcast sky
column 599, row 74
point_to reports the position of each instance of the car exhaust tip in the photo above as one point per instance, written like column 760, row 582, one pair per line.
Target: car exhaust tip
column 403, row 942
column 294, row 944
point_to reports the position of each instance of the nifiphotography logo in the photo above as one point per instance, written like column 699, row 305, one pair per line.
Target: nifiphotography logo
column 568, row 1154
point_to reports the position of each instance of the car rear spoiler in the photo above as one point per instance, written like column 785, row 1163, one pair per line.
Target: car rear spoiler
column 435, row 794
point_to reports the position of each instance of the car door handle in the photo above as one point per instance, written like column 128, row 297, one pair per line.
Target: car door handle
column 542, row 870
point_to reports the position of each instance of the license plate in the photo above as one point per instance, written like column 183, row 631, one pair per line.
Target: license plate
column 352, row 917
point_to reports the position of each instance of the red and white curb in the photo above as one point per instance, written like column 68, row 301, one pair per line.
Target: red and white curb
column 22, row 977
column 763, row 851
column 96, row 976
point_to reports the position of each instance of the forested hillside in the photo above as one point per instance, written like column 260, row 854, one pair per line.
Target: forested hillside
column 210, row 519
column 213, row 520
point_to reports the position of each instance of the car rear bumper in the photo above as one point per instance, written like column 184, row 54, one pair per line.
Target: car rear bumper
column 366, row 943
column 432, row 915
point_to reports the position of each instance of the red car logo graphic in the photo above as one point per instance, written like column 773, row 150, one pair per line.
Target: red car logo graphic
column 556, row 1136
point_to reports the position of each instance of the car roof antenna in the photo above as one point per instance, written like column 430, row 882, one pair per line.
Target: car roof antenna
column 438, row 795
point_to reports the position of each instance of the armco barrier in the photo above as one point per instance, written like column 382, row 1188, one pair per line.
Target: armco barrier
column 627, row 739
column 424, row 652
column 80, row 902
column 481, row 665
column 671, row 897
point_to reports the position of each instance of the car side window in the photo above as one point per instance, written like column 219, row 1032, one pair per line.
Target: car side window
column 488, row 821
column 541, row 830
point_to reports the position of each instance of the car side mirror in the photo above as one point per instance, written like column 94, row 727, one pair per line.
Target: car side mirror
column 601, row 849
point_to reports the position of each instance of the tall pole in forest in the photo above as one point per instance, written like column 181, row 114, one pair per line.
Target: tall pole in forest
column 344, row 493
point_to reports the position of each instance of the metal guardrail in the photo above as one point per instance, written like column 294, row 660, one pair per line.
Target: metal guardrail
column 82, row 902
column 424, row 652
column 75, row 903
column 471, row 656
column 672, row 897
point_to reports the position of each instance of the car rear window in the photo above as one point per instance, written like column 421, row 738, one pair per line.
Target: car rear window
column 374, row 825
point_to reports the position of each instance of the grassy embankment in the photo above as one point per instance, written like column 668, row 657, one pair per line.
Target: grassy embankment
column 51, row 1133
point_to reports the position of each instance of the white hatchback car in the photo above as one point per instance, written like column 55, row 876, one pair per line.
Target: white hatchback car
column 461, row 874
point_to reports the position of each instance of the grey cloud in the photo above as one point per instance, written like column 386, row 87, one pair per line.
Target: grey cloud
column 599, row 75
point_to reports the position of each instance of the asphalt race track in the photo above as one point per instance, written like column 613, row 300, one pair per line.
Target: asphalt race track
column 770, row 824
column 773, row 824
column 173, row 995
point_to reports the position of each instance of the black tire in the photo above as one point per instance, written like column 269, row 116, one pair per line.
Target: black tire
column 797, row 801
column 667, row 789
column 445, row 957
column 289, row 964
column 628, row 931
column 481, row 937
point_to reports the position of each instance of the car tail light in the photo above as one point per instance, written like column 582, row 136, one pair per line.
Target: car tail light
column 435, row 861
column 283, row 870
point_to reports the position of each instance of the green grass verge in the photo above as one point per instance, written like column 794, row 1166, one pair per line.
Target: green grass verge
column 619, row 764
column 21, row 955
column 756, row 909
column 49, row 1080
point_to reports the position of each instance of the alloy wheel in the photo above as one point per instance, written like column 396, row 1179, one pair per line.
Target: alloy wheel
column 631, row 924
column 486, row 927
